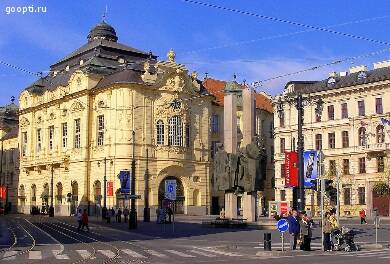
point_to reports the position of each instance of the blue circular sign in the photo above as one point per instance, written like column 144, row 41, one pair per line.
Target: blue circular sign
column 282, row 225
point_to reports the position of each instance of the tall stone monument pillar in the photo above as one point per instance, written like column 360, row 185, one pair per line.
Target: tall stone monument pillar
column 249, row 116
column 230, row 123
column 249, row 204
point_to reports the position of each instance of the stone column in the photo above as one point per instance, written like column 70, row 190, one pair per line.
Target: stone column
column 230, row 205
column 230, row 123
column 249, row 115
column 249, row 203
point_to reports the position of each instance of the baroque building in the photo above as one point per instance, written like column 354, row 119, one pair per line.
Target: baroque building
column 9, row 156
column 352, row 131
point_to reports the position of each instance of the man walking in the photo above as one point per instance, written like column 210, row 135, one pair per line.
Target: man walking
column 126, row 213
column 362, row 214
column 119, row 215
column 294, row 229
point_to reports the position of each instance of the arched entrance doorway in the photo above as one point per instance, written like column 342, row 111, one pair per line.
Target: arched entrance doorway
column 178, row 205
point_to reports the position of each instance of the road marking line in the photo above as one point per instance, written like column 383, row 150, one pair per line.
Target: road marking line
column 57, row 254
column 10, row 255
column 107, row 253
column 202, row 253
column 35, row 255
column 84, row 253
column 132, row 253
column 370, row 256
column 155, row 253
column 181, row 254
column 220, row 252
column 385, row 257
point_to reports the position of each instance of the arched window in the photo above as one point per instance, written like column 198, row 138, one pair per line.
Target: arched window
column 380, row 134
column 362, row 136
column 160, row 132
column 175, row 131
column 75, row 191
column 21, row 191
column 97, row 191
column 59, row 194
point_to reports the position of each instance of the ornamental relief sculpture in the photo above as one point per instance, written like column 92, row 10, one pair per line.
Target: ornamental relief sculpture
column 24, row 122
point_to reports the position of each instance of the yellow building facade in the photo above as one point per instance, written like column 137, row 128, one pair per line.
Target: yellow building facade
column 351, row 131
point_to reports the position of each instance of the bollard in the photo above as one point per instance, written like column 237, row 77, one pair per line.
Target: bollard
column 267, row 241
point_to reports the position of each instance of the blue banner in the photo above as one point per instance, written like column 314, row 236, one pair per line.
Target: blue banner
column 310, row 159
column 124, row 177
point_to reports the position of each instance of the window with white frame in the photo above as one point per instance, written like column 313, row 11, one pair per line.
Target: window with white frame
column 51, row 137
column 77, row 133
column 215, row 124
column 64, row 128
column 24, row 144
column 100, row 132
column 175, row 131
column 160, row 132
column 39, row 140
column 188, row 136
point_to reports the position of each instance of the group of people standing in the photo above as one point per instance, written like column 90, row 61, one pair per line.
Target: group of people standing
column 117, row 213
column 300, row 229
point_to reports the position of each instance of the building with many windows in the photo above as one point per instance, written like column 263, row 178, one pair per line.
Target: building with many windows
column 352, row 131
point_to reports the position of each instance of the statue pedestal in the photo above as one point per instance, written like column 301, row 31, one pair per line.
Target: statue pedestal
column 230, row 205
column 249, row 210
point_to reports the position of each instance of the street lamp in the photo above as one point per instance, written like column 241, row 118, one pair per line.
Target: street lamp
column 299, row 101
column 146, row 193
column 51, row 209
column 133, row 210
column 104, row 209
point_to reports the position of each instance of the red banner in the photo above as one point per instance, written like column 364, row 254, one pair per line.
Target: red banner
column 291, row 166
column 110, row 188
column 3, row 192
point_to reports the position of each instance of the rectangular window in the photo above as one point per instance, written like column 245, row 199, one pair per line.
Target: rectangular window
column 330, row 112
column 378, row 105
column 215, row 124
column 346, row 166
column 100, row 131
column 347, row 196
column 345, row 138
column 282, row 170
column 332, row 140
column 318, row 139
column 213, row 148
column 51, row 137
column 361, row 108
column 24, row 144
column 281, row 120
column 362, row 165
column 332, row 167
column 39, row 140
column 344, row 110
column 64, row 128
column 77, row 133
column 188, row 136
column 282, row 195
column 380, row 164
column 282, row 145
column 362, row 195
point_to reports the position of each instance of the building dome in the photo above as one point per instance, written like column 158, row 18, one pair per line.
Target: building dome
column 102, row 31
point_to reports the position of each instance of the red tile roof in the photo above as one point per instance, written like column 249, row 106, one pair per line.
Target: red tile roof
column 216, row 88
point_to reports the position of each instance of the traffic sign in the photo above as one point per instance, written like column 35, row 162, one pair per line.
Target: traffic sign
column 282, row 225
column 170, row 189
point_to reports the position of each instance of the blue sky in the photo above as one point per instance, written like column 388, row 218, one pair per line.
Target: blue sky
column 205, row 39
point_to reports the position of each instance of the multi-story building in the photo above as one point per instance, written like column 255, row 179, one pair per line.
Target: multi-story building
column 351, row 132
column 9, row 155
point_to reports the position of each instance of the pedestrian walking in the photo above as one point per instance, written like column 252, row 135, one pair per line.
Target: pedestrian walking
column 126, row 213
column 327, row 231
column 119, row 215
column 85, row 220
column 170, row 213
column 108, row 216
column 113, row 212
column 362, row 214
column 294, row 229
column 79, row 217
column 305, row 233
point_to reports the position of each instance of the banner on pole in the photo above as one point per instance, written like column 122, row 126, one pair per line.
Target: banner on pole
column 110, row 188
column 3, row 192
column 125, row 180
column 310, row 159
column 291, row 167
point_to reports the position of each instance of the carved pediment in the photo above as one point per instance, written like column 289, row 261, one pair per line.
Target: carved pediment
column 24, row 122
column 76, row 107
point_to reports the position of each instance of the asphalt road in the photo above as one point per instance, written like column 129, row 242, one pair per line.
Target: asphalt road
column 39, row 239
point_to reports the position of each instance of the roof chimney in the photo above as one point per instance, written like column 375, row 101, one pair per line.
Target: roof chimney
column 359, row 68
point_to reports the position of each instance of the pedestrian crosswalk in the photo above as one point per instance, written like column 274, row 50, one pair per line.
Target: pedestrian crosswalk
column 185, row 253
column 373, row 254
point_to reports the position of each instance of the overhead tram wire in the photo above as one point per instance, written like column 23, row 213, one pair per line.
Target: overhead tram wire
column 285, row 21
column 38, row 74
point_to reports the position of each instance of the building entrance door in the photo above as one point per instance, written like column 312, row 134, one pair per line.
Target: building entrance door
column 382, row 203
column 178, row 205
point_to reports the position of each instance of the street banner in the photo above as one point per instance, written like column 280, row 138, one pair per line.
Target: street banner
column 125, row 179
column 110, row 188
column 3, row 192
column 310, row 159
column 170, row 190
column 291, row 168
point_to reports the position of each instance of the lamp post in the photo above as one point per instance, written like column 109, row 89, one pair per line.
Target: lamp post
column 51, row 209
column 146, row 193
column 104, row 210
column 133, row 211
column 300, row 101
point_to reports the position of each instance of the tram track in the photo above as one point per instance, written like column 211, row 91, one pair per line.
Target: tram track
column 15, row 239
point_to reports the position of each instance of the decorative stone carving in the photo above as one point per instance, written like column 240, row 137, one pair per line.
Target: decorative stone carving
column 76, row 107
column 24, row 122
column 171, row 55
